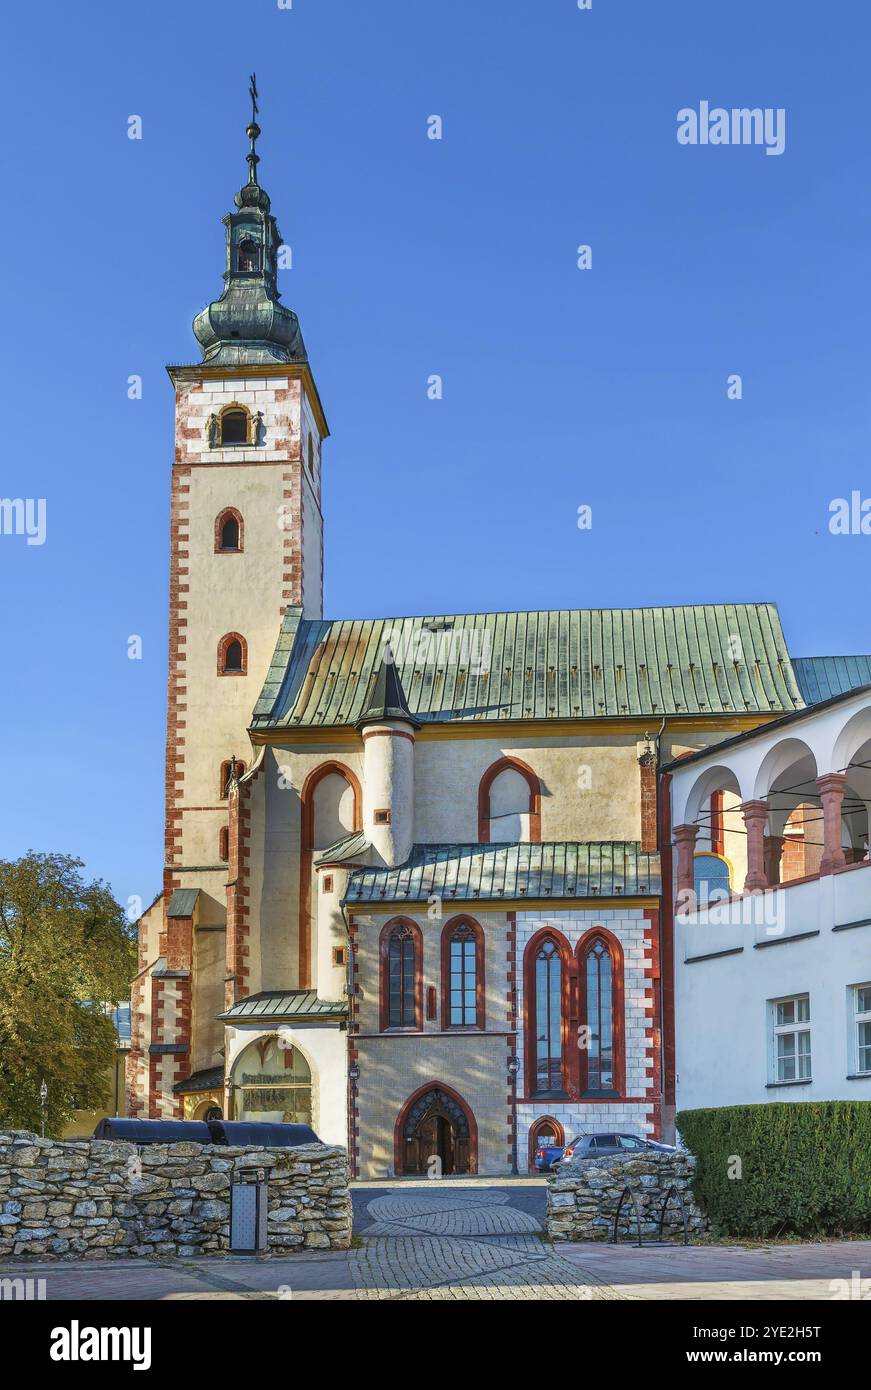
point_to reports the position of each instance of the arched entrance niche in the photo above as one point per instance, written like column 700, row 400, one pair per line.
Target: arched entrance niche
column 435, row 1122
column 272, row 1082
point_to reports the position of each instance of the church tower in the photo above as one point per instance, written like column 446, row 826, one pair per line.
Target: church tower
column 245, row 543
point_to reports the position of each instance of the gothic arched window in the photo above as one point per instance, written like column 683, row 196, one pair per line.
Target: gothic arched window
column 546, row 1008
column 249, row 256
column 600, row 978
column 232, row 655
column 509, row 804
column 462, row 975
column 228, row 532
column 401, row 990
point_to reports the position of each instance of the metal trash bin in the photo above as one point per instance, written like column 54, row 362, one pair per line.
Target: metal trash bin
column 249, row 1208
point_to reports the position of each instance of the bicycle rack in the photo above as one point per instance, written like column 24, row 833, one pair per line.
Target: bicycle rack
column 627, row 1192
column 673, row 1192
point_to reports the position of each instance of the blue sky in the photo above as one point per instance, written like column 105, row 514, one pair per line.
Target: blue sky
column 562, row 388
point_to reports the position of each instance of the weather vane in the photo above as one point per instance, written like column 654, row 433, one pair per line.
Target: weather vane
column 252, row 92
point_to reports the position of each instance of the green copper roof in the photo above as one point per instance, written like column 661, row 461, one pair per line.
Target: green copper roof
column 822, row 677
column 349, row 847
column 386, row 697
column 248, row 324
column 565, row 664
column 276, row 1004
column 476, row 872
column 183, row 902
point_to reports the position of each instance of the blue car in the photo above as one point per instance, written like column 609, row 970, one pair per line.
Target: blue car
column 548, row 1157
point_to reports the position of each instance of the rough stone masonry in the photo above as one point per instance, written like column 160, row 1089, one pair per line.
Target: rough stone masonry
column 584, row 1195
column 103, row 1198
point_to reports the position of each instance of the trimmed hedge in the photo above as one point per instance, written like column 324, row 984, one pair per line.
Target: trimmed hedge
column 805, row 1167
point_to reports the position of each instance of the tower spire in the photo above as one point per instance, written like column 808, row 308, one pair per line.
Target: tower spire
column 253, row 130
column 248, row 323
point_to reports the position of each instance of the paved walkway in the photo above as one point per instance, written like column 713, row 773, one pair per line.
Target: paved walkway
column 731, row 1272
column 469, row 1240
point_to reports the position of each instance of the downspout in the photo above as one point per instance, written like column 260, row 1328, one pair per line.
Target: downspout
column 666, row 940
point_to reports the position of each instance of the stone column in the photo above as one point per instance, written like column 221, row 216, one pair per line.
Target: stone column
column 755, row 815
column 685, row 839
column 832, row 785
column 773, row 852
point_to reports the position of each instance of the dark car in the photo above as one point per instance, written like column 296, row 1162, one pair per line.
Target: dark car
column 548, row 1158
column 235, row 1132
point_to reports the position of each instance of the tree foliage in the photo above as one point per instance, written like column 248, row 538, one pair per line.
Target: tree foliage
column 65, row 948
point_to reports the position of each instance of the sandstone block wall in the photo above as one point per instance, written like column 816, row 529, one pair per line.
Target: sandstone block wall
column 101, row 1199
column 583, row 1197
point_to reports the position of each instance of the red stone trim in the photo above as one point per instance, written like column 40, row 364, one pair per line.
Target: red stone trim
column 618, row 1015
column 666, row 935
column 480, row 993
column 384, row 1000
column 220, row 519
column 225, row 642
column 534, row 798
column 654, row 1041
column 649, row 822
column 306, row 855
column 237, row 979
column 398, row 1165
column 353, row 1093
column 387, row 733
column 717, row 824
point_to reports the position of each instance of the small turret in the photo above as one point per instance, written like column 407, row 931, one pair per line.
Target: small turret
column 388, row 728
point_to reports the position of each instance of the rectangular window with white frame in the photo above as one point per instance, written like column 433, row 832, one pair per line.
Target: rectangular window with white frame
column 790, row 1038
column 861, row 1029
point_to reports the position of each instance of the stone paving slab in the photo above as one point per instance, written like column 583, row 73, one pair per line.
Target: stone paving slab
column 730, row 1272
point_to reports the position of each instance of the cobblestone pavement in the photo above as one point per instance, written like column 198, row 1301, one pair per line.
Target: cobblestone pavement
column 463, row 1243
column 466, row 1242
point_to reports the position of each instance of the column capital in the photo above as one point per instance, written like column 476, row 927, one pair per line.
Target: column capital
column 832, row 781
column 755, row 814
column 682, row 833
column 832, row 785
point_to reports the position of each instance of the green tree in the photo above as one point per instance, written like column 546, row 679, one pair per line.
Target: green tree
column 64, row 945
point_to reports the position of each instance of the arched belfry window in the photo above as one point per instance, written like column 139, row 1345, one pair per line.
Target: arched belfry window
column 249, row 256
column 401, row 987
column 234, row 426
column 228, row 532
column 600, row 980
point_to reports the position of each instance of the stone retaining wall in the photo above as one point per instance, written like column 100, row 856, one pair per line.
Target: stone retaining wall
column 583, row 1197
column 104, row 1199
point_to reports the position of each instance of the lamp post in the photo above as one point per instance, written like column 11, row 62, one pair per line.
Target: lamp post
column 513, row 1069
column 353, row 1077
column 43, row 1104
